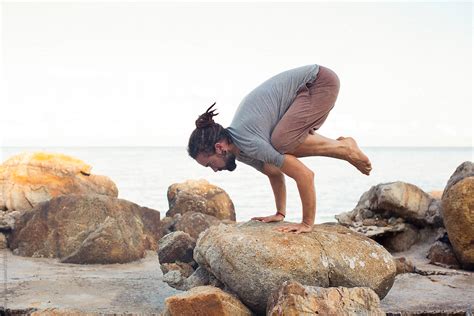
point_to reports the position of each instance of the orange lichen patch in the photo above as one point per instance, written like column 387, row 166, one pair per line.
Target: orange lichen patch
column 54, row 183
column 48, row 160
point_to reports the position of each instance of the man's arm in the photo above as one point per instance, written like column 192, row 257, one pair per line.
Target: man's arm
column 277, row 181
column 304, row 178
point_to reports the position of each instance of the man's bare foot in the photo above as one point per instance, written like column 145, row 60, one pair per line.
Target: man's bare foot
column 355, row 156
column 268, row 219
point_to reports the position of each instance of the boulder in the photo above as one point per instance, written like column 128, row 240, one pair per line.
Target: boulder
column 3, row 241
column 442, row 254
column 392, row 213
column 167, row 224
column 176, row 246
column 403, row 199
column 205, row 301
column 292, row 298
column 253, row 259
column 8, row 219
column 194, row 223
column 458, row 215
column 400, row 241
column 185, row 269
column 30, row 178
column 86, row 229
column 201, row 277
column 464, row 170
column 404, row 265
column 436, row 194
column 200, row 196
column 175, row 279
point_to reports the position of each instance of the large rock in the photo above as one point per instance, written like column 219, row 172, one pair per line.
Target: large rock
column 404, row 265
column 392, row 213
column 3, row 241
column 200, row 196
column 458, row 214
column 195, row 223
column 400, row 241
column 205, row 301
column 464, row 170
column 201, row 277
column 176, row 246
column 86, row 229
column 8, row 219
column 253, row 259
column 442, row 254
column 292, row 298
column 30, row 178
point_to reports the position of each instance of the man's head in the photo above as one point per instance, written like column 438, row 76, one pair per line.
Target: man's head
column 210, row 144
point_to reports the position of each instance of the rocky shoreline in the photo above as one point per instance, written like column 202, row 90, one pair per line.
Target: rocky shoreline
column 70, row 246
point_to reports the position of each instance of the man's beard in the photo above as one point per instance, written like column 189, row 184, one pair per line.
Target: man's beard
column 229, row 160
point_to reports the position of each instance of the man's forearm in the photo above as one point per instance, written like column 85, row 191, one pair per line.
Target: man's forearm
column 279, row 191
column 308, row 199
column 304, row 178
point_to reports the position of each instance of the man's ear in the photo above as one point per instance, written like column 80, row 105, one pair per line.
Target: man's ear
column 219, row 148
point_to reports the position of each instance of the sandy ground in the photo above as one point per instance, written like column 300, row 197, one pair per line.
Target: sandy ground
column 137, row 287
column 44, row 283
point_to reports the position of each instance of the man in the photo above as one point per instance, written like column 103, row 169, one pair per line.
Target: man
column 273, row 126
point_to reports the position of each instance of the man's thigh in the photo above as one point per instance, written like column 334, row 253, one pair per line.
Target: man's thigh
column 308, row 111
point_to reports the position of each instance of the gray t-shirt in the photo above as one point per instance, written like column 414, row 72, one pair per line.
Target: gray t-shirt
column 261, row 110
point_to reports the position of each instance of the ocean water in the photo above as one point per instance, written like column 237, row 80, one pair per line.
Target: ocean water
column 143, row 175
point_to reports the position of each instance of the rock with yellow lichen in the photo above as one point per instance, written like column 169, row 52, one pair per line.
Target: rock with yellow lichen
column 30, row 178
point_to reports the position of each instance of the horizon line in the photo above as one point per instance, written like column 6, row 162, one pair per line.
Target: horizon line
column 167, row 146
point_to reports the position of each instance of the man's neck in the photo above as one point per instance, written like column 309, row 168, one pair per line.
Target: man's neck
column 234, row 149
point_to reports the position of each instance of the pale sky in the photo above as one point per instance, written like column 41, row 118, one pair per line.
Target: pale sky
column 139, row 74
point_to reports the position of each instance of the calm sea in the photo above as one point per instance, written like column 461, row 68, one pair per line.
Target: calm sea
column 143, row 174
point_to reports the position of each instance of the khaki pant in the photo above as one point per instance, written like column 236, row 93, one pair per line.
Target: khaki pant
column 308, row 111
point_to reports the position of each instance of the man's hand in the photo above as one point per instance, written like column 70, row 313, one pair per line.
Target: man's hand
column 297, row 228
column 268, row 219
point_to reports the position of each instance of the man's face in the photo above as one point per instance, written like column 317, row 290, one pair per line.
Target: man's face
column 218, row 162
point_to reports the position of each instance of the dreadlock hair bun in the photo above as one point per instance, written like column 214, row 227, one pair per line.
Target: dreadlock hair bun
column 206, row 134
column 205, row 120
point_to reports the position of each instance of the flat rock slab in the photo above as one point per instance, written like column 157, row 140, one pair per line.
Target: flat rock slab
column 43, row 283
column 434, row 294
column 433, row 290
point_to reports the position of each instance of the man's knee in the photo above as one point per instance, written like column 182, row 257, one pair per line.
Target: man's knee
column 277, row 140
